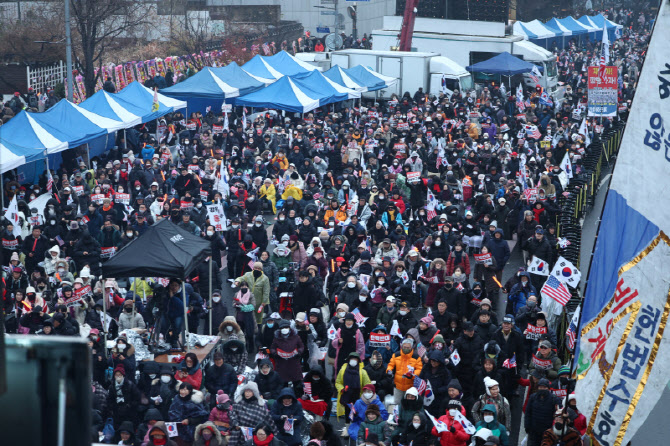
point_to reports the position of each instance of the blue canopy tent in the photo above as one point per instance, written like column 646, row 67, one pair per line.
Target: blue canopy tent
column 257, row 66
column 371, row 79
column 503, row 64
column 519, row 29
column 337, row 74
column 317, row 82
column 284, row 94
column 210, row 87
column 138, row 100
column 613, row 30
column 104, row 104
column 277, row 65
column 560, row 30
column 573, row 25
column 597, row 32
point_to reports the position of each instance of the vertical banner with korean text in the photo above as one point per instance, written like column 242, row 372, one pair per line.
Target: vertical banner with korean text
column 603, row 90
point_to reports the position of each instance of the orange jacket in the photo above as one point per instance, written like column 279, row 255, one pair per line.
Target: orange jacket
column 402, row 363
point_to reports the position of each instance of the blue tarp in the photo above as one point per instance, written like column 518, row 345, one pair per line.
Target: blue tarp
column 277, row 65
column 337, row 74
column 284, row 94
column 363, row 77
column 329, row 91
column 613, row 30
column 574, row 26
column 138, row 100
column 504, row 63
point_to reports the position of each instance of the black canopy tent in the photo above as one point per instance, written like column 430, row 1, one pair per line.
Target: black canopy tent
column 164, row 250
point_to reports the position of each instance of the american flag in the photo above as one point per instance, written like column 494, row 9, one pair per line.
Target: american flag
column 288, row 425
column 307, row 387
column 421, row 350
column 533, row 131
column 431, row 206
column 556, row 290
column 359, row 317
column 420, row 385
column 50, row 182
column 266, row 49
column 352, row 411
column 510, row 363
column 571, row 334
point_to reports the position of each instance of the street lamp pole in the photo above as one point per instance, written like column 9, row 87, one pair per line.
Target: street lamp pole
column 68, row 52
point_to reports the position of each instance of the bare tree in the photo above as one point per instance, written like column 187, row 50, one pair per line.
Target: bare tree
column 195, row 32
column 101, row 23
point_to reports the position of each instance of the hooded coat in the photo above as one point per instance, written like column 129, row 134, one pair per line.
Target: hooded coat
column 190, row 408
column 216, row 440
column 498, row 429
column 360, row 407
column 293, row 411
column 269, row 385
column 229, row 321
column 286, row 350
column 160, row 425
column 439, row 379
column 402, row 363
column 220, row 378
column 248, row 413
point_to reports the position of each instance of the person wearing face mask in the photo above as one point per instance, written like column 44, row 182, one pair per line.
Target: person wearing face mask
column 351, row 379
column 162, row 390
column 208, row 434
column 228, row 328
column 403, row 367
column 259, row 233
column 579, row 422
column 129, row 318
column 348, row 339
column 268, row 381
column 489, row 420
column 123, row 398
column 405, row 318
column 151, row 417
column 562, row 433
column 369, row 399
column 540, row 411
column 416, row 432
column 287, row 349
column 220, row 413
column 158, row 435
column 259, row 284
column 455, row 434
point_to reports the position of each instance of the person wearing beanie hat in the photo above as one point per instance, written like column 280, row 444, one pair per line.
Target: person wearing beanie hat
column 369, row 400
column 540, row 411
column 492, row 395
column 129, row 318
column 427, row 330
column 579, row 421
column 374, row 430
column 220, row 377
column 485, row 304
column 348, row 339
column 403, row 367
column 124, row 397
column 455, row 434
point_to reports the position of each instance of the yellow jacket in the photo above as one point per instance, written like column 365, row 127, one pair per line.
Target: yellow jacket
column 339, row 215
column 292, row 191
column 402, row 363
column 270, row 193
column 283, row 162
column 339, row 384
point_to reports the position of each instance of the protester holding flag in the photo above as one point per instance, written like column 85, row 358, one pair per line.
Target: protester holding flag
column 449, row 431
column 286, row 350
column 403, row 366
column 288, row 417
column 436, row 374
column 350, row 381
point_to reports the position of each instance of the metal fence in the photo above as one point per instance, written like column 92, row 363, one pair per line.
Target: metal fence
column 42, row 78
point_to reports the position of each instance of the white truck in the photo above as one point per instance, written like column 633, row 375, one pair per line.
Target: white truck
column 413, row 69
column 467, row 43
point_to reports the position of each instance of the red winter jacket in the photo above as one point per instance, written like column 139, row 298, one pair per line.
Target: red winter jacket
column 459, row 438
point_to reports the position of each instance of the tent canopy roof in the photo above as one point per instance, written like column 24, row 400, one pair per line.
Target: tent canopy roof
column 164, row 250
column 504, row 63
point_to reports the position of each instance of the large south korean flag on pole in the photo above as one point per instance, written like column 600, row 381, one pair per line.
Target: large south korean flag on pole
column 623, row 354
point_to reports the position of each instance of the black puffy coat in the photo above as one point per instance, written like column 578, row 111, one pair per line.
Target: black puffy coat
column 540, row 411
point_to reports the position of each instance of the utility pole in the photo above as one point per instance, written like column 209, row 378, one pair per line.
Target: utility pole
column 68, row 52
column 353, row 13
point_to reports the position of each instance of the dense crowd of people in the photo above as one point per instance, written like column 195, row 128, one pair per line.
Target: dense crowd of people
column 351, row 278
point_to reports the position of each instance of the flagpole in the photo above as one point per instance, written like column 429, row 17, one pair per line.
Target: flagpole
column 2, row 192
